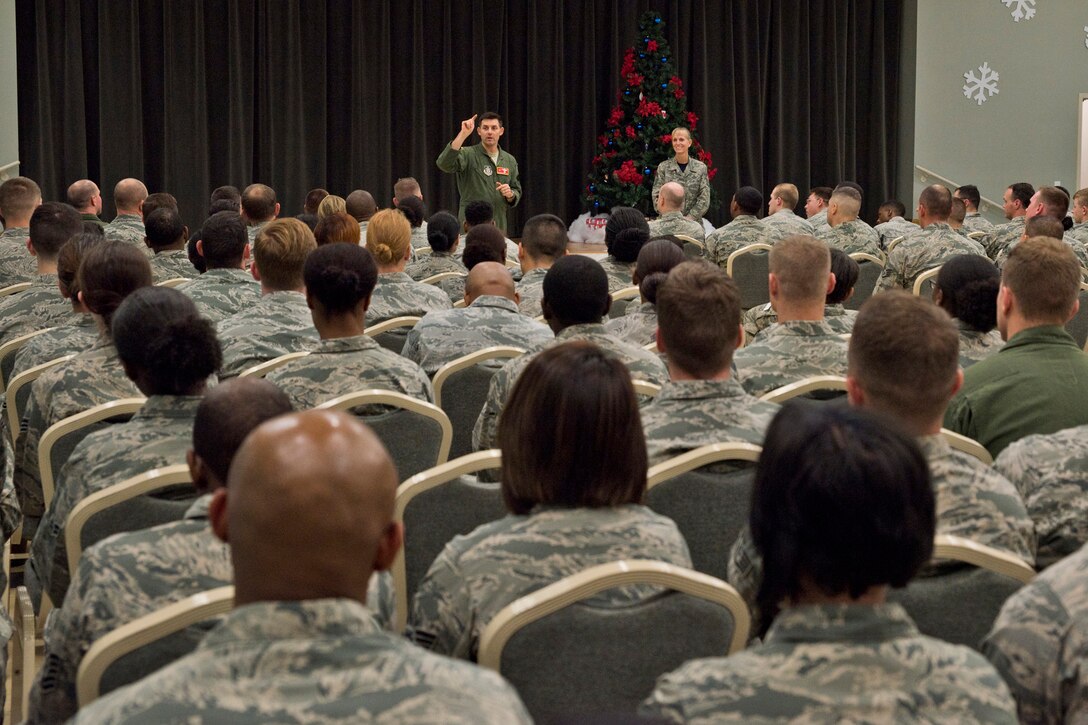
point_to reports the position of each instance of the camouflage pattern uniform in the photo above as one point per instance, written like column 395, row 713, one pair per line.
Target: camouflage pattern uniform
column 346, row 365
column 158, row 435
column 852, row 237
column 252, row 230
column 837, row 663
column 737, row 234
column 931, row 247
column 531, row 290
column 758, row 319
column 819, row 222
column 75, row 336
column 419, row 237
column 35, row 308
column 675, row 222
column 638, row 325
column 428, row 265
column 312, row 661
column 121, row 579
column 1003, row 235
column 1079, row 232
column 975, row 345
column 220, row 293
column 619, row 273
column 477, row 575
column 398, row 295
column 784, row 223
column 279, row 323
column 172, row 264
column 1037, row 644
column 10, row 518
column 441, row 337
column 789, row 351
column 693, row 178
column 975, row 222
column 1078, row 249
column 692, row 413
column 1051, row 473
column 894, row 228
column 128, row 228
column 642, row 364
column 16, row 263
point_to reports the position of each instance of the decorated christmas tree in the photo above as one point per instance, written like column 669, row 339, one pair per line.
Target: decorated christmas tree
column 638, row 133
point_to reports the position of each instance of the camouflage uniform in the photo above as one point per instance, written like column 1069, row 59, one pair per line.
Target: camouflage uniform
column 419, row 237
column 531, row 290
column 619, row 273
column 220, row 293
column 931, row 247
column 74, row 336
column 428, row 265
column 279, row 323
column 158, row 435
column 975, row 222
column 10, row 518
column 312, row 661
column 346, row 365
column 477, row 575
column 894, row 228
column 172, row 264
column 790, row 351
column 1051, row 473
column 253, row 229
column 128, row 228
column 784, row 223
column 398, row 295
column 1003, row 235
column 975, row 345
column 1077, row 246
column 642, row 364
column 693, row 178
column 737, row 234
column 132, row 574
column 675, row 222
column 16, row 263
column 819, row 222
column 692, row 413
column 758, row 319
column 35, row 308
column 638, row 325
column 837, row 663
column 1037, row 643
column 1079, row 232
column 441, row 337
column 852, row 237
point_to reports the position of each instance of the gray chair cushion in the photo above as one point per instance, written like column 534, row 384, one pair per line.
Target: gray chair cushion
column 413, row 440
column 143, row 661
column 142, row 512
column 868, row 274
column 1078, row 326
column 63, row 446
column 394, row 339
column 463, row 396
column 750, row 274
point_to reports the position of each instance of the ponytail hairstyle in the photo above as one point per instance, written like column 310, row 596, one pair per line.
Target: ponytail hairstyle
column 68, row 260
column 388, row 236
column 655, row 261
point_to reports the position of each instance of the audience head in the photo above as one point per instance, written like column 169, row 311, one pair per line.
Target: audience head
column 226, row 193
column 934, row 204
column 164, row 230
column 331, row 204
column 783, row 196
column 969, row 195
column 360, row 204
column 259, row 203
column 279, row 251
column 655, row 261
column 575, row 292
column 68, row 260
column 625, row 233
column 110, row 272
column 889, row 210
column 1049, row 201
column 84, row 197
column 337, row 227
column 479, row 212
column 160, row 200
column 221, row 205
column 572, row 445
column 957, row 213
column 1039, row 285
column 489, row 278
column 19, row 196
column 1017, row 199
column 389, row 237
column 223, row 242
column 800, row 270
column 966, row 289
column 1043, row 226
column 51, row 225
column 698, row 320
column 413, row 210
column 846, row 273
column 747, row 200
column 844, row 206
column 484, row 243
column 670, row 197
column 443, row 232
column 196, row 259
column 544, row 239
column 818, row 197
column 313, row 199
column 851, row 185
column 404, row 188
column 339, row 280
column 129, row 195
column 1080, row 205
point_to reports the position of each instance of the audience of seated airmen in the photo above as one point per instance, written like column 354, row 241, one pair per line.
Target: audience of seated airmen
column 169, row 351
column 890, row 224
column 315, row 489
column 670, row 205
column 159, row 200
column 973, row 221
column 226, row 287
column 816, row 208
column 259, row 206
column 624, row 235
column 482, row 243
column 543, row 241
column 489, row 318
column 802, row 344
column 480, row 213
column 840, row 319
column 280, row 322
column 128, row 225
column 966, row 289
column 361, row 205
column 846, row 231
column 842, row 510
column 780, row 221
column 396, row 294
column 744, row 229
column 698, row 317
column 86, row 198
column 336, row 227
column 575, row 299
column 1048, row 203
column 573, row 476
column 444, row 237
column 1017, row 199
column 19, row 197
column 340, row 279
column 166, row 237
column 638, row 324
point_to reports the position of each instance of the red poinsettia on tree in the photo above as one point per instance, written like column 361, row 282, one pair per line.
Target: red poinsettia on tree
column 638, row 135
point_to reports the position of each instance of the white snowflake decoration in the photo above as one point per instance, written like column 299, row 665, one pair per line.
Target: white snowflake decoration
column 977, row 87
column 1023, row 10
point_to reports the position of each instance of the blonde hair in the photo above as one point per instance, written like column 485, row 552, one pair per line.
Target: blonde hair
column 280, row 249
column 330, row 205
column 388, row 236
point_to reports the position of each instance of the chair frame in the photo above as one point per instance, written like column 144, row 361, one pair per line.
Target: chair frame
column 947, row 546
column 699, row 457
column 977, row 235
column 967, row 445
column 688, row 239
column 22, row 655
column 143, row 631
column 646, row 388
column 893, row 243
column 627, row 293
column 572, row 589
column 806, row 385
column 260, row 370
column 15, row 344
column 923, row 278
column 436, row 278
column 373, row 396
column 496, row 352
column 758, row 246
column 860, row 257
column 460, row 304
column 16, row 384
column 172, row 282
column 13, row 289
column 391, row 324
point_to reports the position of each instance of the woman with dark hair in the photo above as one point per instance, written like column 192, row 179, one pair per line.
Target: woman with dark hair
column 444, row 236
column 966, row 288
column 842, row 510
column 638, row 325
column 415, row 211
column 337, row 227
column 624, row 235
column 838, row 318
column 573, row 477
column 169, row 352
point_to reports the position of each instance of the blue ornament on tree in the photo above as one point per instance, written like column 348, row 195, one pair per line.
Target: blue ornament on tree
column 657, row 20
column 664, row 59
column 647, row 172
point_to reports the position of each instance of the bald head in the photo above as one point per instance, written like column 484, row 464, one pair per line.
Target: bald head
column 670, row 197
column 489, row 278
column 85, row 196
column 129, row 195
column 316, row 489
column 361, row 205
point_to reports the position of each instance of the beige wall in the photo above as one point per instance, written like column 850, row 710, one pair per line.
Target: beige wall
column 9, row 107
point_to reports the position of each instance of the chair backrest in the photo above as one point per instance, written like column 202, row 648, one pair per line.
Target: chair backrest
column 135, row 649
column 393, row 333
column 172, row 282
column 603, row 660
column 13, row 289
column 620, row 299
column 1078, row 325
column 893, row 243
column 416, row 433
column 645, row 389
column 262, row 369
column 748, row 266
column 976, row 235
column 8, row 351
column 967, row 445
column 939, row 604
column 460, row 389
column 60, row 439
column 925, row 282
column 460, row 304
column 692, row 246
column 436, row 506
column 436, row 278
column 17, row 393
column 127, row 506
column 808, row 387
column 869, row 270
column 708, row 499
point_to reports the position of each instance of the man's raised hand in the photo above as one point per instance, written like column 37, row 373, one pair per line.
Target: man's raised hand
column 469, row 124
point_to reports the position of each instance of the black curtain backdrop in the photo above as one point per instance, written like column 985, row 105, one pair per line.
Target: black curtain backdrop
column 188, row 95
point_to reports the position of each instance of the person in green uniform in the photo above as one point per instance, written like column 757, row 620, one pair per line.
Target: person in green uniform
column 484, row 171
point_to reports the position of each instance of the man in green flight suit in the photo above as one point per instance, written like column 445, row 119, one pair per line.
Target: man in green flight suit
column 484, row 171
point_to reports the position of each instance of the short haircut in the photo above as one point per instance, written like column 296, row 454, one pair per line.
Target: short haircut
column 969, row 284
column 544, row 236
column 163, row 227
column 897, row 207
column 848, row 199
column 128, row 193
column 851, row 185
column 160, row 200
column 259, row 202
column 51, row 225
column 655, row 261
column 958, row 211
column 339, row 277
column 787, row 193
column 479, row 212
column 224, row 239
column 490, row 115
column 331, row 204
column 1022, row 192
column 842, row 501
column 1080, row 198
column 1055, row 201
column 936, row 200
column 18, row 197
column 1044, row 226
column 403, row 188
column 313, row 198
column 360, row 204
column 671, row 196
column 280, row 249
column 195, row 257
column 625, row 232
column 413, row 209
column 820, row 192
column 698, row 313
column 749, row 200
column 160, row 335
column 570, row 433
column 969, row 193
column 1044, row 275
column 81, row 192
column 904, row 353
column 110, row 272
column 388, row 236
column 337, row 227
column 484, row 243
column 226, row 193
column 228, row 413
column 846, row 273
column 802, row 265
column 68, row 260
column 575, row 288
column 220, row 205
column 443, row 230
